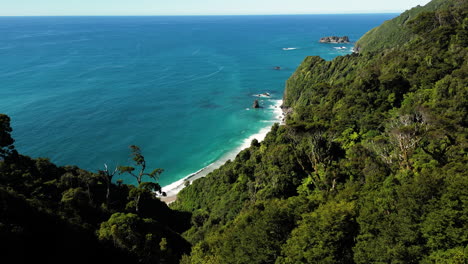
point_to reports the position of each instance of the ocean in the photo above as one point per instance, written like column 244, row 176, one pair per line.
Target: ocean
column 81, row 90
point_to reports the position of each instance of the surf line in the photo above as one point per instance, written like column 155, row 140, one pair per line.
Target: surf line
column 174, row 188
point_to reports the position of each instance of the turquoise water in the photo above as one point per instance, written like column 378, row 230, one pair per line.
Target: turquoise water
column 80, row 90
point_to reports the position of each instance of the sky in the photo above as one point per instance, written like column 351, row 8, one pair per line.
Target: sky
column 200, row 7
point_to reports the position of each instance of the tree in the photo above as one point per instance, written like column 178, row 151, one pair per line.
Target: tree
column 323, row 236
column 107, row 176
column 6, row 141
column 123, row 230
column 406, row 132
column 140, row 161
column 323, row 152
column 144, row 237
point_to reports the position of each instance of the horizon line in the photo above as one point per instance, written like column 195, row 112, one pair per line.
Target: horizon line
column 213, row 15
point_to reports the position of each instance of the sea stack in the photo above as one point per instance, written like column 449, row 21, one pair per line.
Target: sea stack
column 335, row 39
column 256, row 104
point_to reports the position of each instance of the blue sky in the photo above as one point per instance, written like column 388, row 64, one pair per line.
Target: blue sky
column 200, row 7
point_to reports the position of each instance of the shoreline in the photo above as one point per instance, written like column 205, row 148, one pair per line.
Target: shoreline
column 174, row 188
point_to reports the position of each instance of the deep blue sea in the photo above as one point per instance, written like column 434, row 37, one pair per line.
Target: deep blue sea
column 80, row 90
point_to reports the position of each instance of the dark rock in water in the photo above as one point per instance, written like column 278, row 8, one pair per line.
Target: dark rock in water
column 256, row 104
column 263, row 95
column 335, row 39
column 277, row 68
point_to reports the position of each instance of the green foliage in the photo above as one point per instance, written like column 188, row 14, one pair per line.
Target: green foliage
column 121, row 230
column 395, row 32
column 371, row 164
column 142, row 237
column 323, row 236
column 369, row 168
column 29, row 231
column 255, row 236
column 82, row 215
column 139, row 160
column 458, row 255
column 142, row 188
column 6, row 141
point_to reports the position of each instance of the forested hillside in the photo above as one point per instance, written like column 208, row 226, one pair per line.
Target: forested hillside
column 394, row 32
column 371, row 166
column 51, row 214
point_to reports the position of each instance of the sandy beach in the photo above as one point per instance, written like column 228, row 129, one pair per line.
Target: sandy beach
column 169, row 199
column 173, row 189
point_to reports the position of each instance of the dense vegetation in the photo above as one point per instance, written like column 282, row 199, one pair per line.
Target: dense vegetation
column 393, row 33
column 371, row 167
column 51, row 214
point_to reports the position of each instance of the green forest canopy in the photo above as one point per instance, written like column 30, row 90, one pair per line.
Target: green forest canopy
column 370, row 167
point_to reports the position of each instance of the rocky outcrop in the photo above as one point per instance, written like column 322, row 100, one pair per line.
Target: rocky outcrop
column 286, row 112
column 256, row 104
column 335, row 39
column 263, row 95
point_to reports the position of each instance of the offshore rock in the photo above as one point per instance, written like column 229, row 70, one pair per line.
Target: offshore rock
column 334, row 39
column 256, row 104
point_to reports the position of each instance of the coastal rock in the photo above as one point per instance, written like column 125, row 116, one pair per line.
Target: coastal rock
column 286, row 110
column 335, row 39
column 263, row 95
column 256, row 104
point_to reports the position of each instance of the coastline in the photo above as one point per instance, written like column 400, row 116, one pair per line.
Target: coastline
column 174, row 188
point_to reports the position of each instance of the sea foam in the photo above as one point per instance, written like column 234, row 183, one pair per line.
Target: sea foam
column 174, row 188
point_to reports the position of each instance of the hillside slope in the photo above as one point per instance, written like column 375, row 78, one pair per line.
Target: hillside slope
column 370, row 166
column 51, row 214
column 396, row 32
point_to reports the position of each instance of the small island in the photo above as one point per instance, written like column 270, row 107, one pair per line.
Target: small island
column 335, row 39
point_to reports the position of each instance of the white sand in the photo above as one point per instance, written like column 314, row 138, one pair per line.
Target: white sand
column 173, row 189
